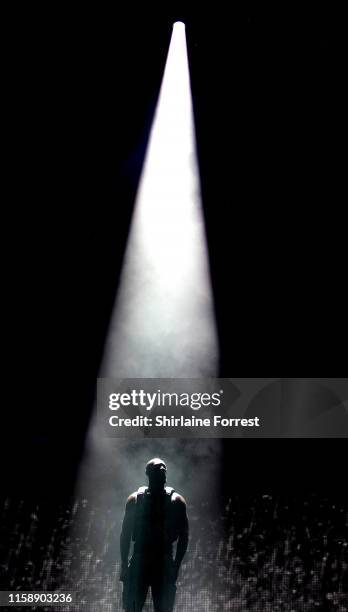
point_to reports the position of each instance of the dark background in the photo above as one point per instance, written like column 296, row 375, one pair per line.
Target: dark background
column 267, row 88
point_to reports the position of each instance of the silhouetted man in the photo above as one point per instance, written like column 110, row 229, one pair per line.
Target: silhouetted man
column 154, row 520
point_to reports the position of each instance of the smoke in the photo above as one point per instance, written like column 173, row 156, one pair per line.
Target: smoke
column 163, row 324
column 115, row 468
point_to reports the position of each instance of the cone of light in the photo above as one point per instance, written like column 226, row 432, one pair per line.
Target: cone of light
column 163, row 322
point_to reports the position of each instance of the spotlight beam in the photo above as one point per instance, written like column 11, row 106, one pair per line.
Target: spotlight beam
column 163, row 322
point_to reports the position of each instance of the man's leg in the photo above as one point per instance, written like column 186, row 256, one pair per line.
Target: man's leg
column 139, row 585
column 163, row 589
column 137, row 601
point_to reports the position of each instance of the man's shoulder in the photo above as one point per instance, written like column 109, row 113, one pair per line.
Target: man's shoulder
column 178, row 499
column 133, row 497
column 131, row 500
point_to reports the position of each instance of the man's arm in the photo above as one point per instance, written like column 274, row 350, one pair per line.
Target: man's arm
column 183, row 531
column 126, row 533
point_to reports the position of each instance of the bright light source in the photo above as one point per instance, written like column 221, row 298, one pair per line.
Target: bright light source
column 179, row 25
column 163, row 322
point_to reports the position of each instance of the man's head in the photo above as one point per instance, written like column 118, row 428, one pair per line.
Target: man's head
column 156, row 471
